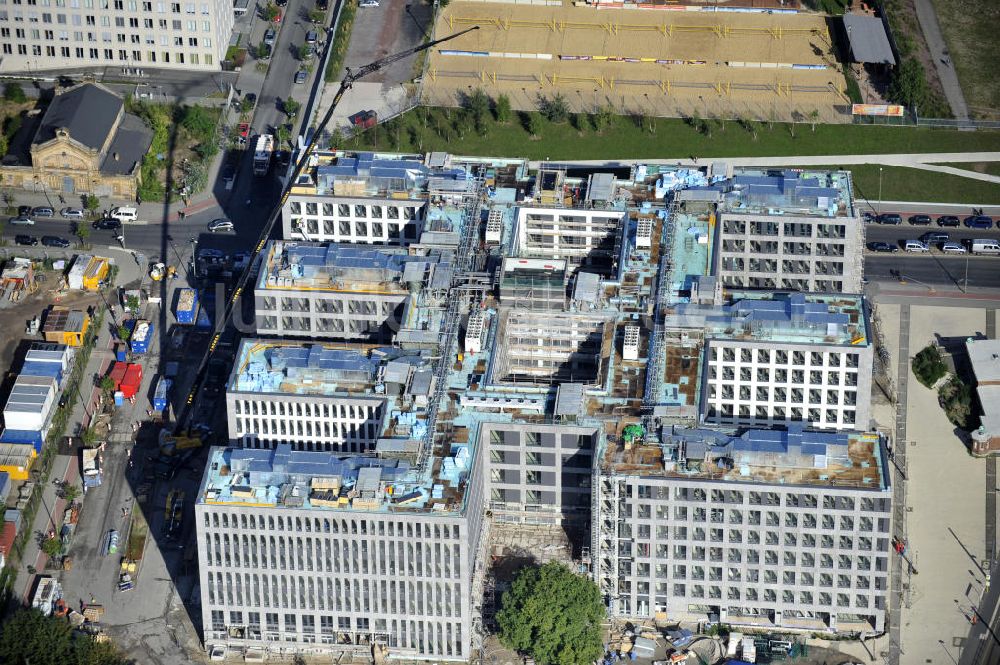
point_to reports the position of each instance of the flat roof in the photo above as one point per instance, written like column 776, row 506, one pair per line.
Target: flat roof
column 789, row 192
column 329, row 369
column 984, row 356
column 345, row 268
column 370, row 174
column 776, row 316
column 868, row 40
column 792, row 456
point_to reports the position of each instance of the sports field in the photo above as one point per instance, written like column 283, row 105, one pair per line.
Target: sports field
column 666, row 63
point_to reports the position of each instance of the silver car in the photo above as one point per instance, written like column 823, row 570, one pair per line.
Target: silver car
column 71, row 213
column 953, row 248
column 21, row 221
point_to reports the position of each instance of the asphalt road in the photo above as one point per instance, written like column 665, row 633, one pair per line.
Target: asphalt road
column 935, row 270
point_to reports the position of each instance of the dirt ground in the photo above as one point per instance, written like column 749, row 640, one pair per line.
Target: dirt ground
column 16, row 315
column 658, row 63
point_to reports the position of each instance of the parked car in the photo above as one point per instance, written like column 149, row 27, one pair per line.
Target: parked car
column 43, row 211
column 890, row 218
column 71, row 213
column 244, row 129
column 22, row 239
column 23, row 211
column 368, row 3
column 55, row 241
column 953, row 248
column 868, row 217
column 915, row 246
column 107, row 224
column 979, row 222
column 301, row 76
column 882, row 247
column 947, row 220
column 934, row 237
column 269, row 36
column 920, row 220
column 311, row 37
column 21, row 220
column 220, row 225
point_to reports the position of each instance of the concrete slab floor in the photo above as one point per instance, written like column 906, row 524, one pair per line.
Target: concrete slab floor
column 946, row 507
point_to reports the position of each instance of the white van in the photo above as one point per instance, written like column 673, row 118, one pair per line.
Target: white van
column 984, row 246
column 124, row 214
column 915, row 246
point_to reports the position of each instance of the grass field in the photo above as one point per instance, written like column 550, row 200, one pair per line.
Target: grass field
column 451, row 130
column 905, row 184
column 970, row 27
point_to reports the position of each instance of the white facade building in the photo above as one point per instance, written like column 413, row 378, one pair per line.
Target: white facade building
column 49, row 36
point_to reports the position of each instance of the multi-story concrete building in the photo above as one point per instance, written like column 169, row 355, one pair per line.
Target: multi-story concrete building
column 791, row 230
column 584, row 237
column 306, row 552
column 375, row 200
column 329, row 291
column 40, row 38
column 322, row 397
column 771, row 359
column 771, row 529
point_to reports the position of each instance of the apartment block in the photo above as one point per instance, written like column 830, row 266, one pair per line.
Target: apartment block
column 772, row 358
column 44, row 37
column 332, row 397
column 786, row 529
column 790, row 230
column 304, row 552
column 370, row 199
column 330, row 291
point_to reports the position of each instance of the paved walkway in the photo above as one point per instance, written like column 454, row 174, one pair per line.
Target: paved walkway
column 942, row 60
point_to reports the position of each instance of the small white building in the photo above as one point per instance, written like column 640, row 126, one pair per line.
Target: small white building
column 30, row 403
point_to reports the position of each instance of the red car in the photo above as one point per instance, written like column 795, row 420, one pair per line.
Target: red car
column 277, row 18
column 244, row 130
column 364, row 119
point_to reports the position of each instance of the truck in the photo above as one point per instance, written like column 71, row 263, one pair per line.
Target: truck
column 262, row 154
column 92, row 474
column 162, row 394
column 187, row 306
column 142, row 334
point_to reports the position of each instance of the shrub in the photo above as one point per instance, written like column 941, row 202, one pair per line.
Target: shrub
column 13, row 92
column 928, row 366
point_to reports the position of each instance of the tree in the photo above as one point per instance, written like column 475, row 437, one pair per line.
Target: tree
column 531, row 123
column 107, row 384
column 30, row 637
column 246, row 105
column 304, row 52
column 8, row 198
column 291, row 107
column 555, row 109
column 89, row 435
column 909, row 85
column 813, row 118
column 603, row 118
column 82, row 232
column 70, row 492
column 52, row 547
column 502, row 109
column 13, row 92
column 282, row 135
column 91, row 203
column 554, row 615
column 132, row 304
column 336, row 139
column 123, row 332
column 269, row 12
column 478, row 106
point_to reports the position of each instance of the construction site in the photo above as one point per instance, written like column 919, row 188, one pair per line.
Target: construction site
column 780, row 66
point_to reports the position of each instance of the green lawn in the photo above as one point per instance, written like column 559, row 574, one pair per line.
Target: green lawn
column 426, row 129
column 906, row 184
column 970, row 27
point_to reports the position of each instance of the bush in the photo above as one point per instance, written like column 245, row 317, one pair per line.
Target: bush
column 13, row 92
column 200, row 122
column 955, row 397
column 555, row 109
column 928, row 366
column 340, row 40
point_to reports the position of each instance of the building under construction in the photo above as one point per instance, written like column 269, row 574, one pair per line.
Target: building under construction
column 694, row 445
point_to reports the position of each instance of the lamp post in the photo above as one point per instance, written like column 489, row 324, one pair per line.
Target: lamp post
column 879, row 211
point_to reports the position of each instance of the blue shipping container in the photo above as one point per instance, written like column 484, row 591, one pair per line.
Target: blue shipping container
column 161, row 394
column 121, row 353
column 28, row 436
column 187, row 306
column 139, row 340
